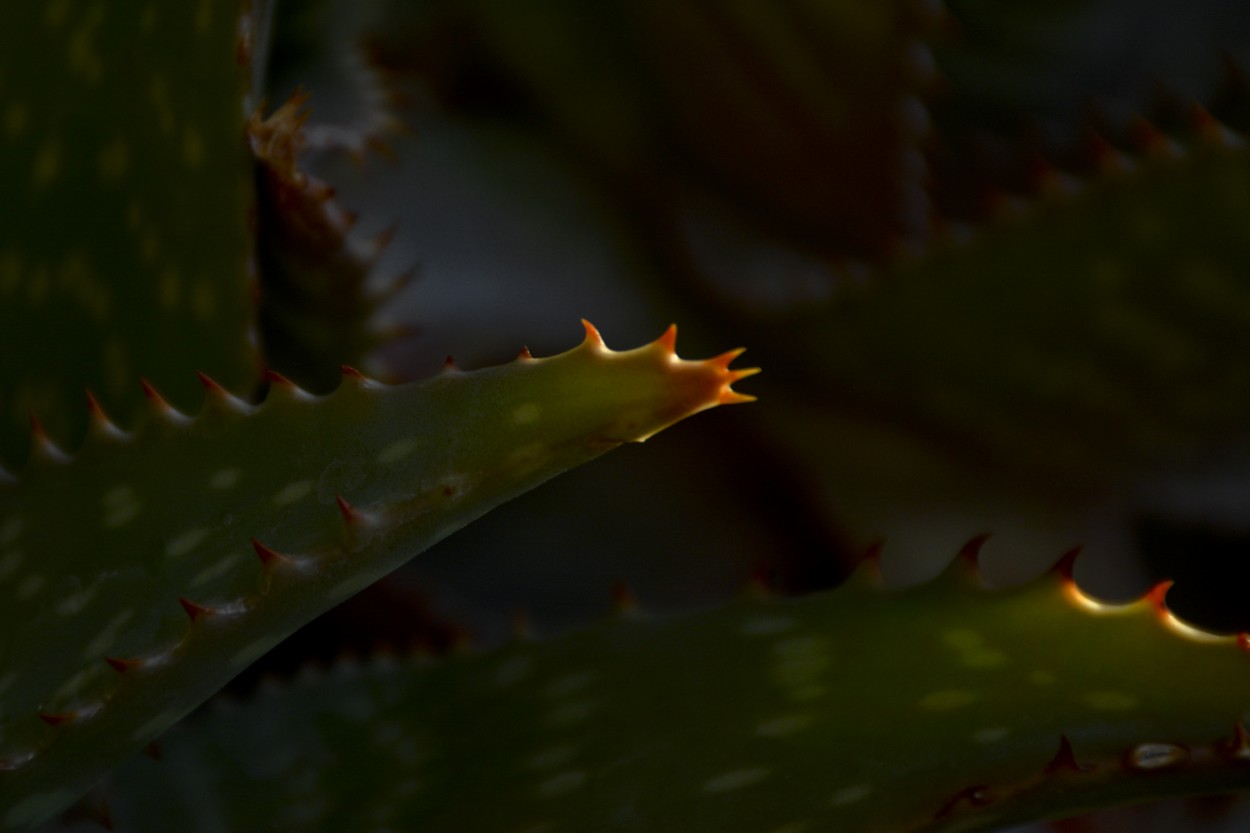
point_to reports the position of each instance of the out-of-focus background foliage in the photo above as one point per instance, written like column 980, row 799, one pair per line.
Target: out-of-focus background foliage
column 744, row 169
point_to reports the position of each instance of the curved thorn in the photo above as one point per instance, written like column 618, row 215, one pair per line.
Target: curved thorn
column 732, row 397
column 95, row 410
column 668, row 339
column 266, row 555
column 211, row 384
column 151, row 393
column 724, row 359
column 593, row 337
column 194, row 611
column 624, row 602
column 350, row 372
column 525, row 354
column 276, row 378
column 1157, row 596
column 1065, row 759
column 349, row 513
column 56, row 719
column 121, row 666
column 970, row 553
column 1066, row 565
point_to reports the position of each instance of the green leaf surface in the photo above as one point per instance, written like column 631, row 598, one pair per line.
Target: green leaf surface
column 1094, row 335
column 126, row 185
column 251, row 521
column 941, row 707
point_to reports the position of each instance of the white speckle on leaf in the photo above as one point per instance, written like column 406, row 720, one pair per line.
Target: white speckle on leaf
column 850, row 795
column 560, row 784
column 398, row 450
column 946, row 700
column 991, row 734
column 1110, row 700
column 185, row 542
column 766, row 625
column 224, row 479
column 30, row 586
column 293, row 492
column 526, row 413
column 550, row 758
column 786, row 724
column 735, row 780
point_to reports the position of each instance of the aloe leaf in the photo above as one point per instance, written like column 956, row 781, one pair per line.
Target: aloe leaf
column 1092, row 335
column 941, row 707
column 795, row 113
column 146, row 572
column 127, row 184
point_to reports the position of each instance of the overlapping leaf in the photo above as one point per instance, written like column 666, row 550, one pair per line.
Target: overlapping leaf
column 943, row 707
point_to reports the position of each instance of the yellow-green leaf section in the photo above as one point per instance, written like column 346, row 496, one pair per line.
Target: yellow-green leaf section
column 140, row 576
column 942, row 707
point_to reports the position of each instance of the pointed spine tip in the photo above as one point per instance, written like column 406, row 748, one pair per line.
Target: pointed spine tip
column 151, row 393
column 449, row 364
column 56, row 719
column 668, row 340
column 273, row 377
column 121, row 666
column 211, row 384
column 525, row 355
column 350, row 372
column 1065, row 567
column 970, row 553
column 1237, row 747
column 194, row 611
column 268, row 556
column 593, row 337
column 624, row 602
column 349, row 512
column 1158, row 597
column 1065, row 759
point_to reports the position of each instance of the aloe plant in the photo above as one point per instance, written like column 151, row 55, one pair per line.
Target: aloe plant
column 162, row 531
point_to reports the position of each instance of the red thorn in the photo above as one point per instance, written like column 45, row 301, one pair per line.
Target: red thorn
column 1066, row 564
column 194, row 611
column 211, row 385
column 351, row 373
column 668, row 340
column 121, row 666
column 1239, row 745
column 1065, row 759
column 525, row 354
column 350, row 515
column 93, row 408
column 266, row 555
column 1243, row 641
column 55, row 719
column 37, row 430
column 970, row 553
column 593, row 337
column 449, row 363
column 151, row 393
column 1158, row 595
column 623, row 599
column 276, row 378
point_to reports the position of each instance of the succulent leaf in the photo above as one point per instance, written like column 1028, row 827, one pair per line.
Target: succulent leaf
column 146, row 572
column 941, row 707
column 127, row 184
column 1088, row 336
